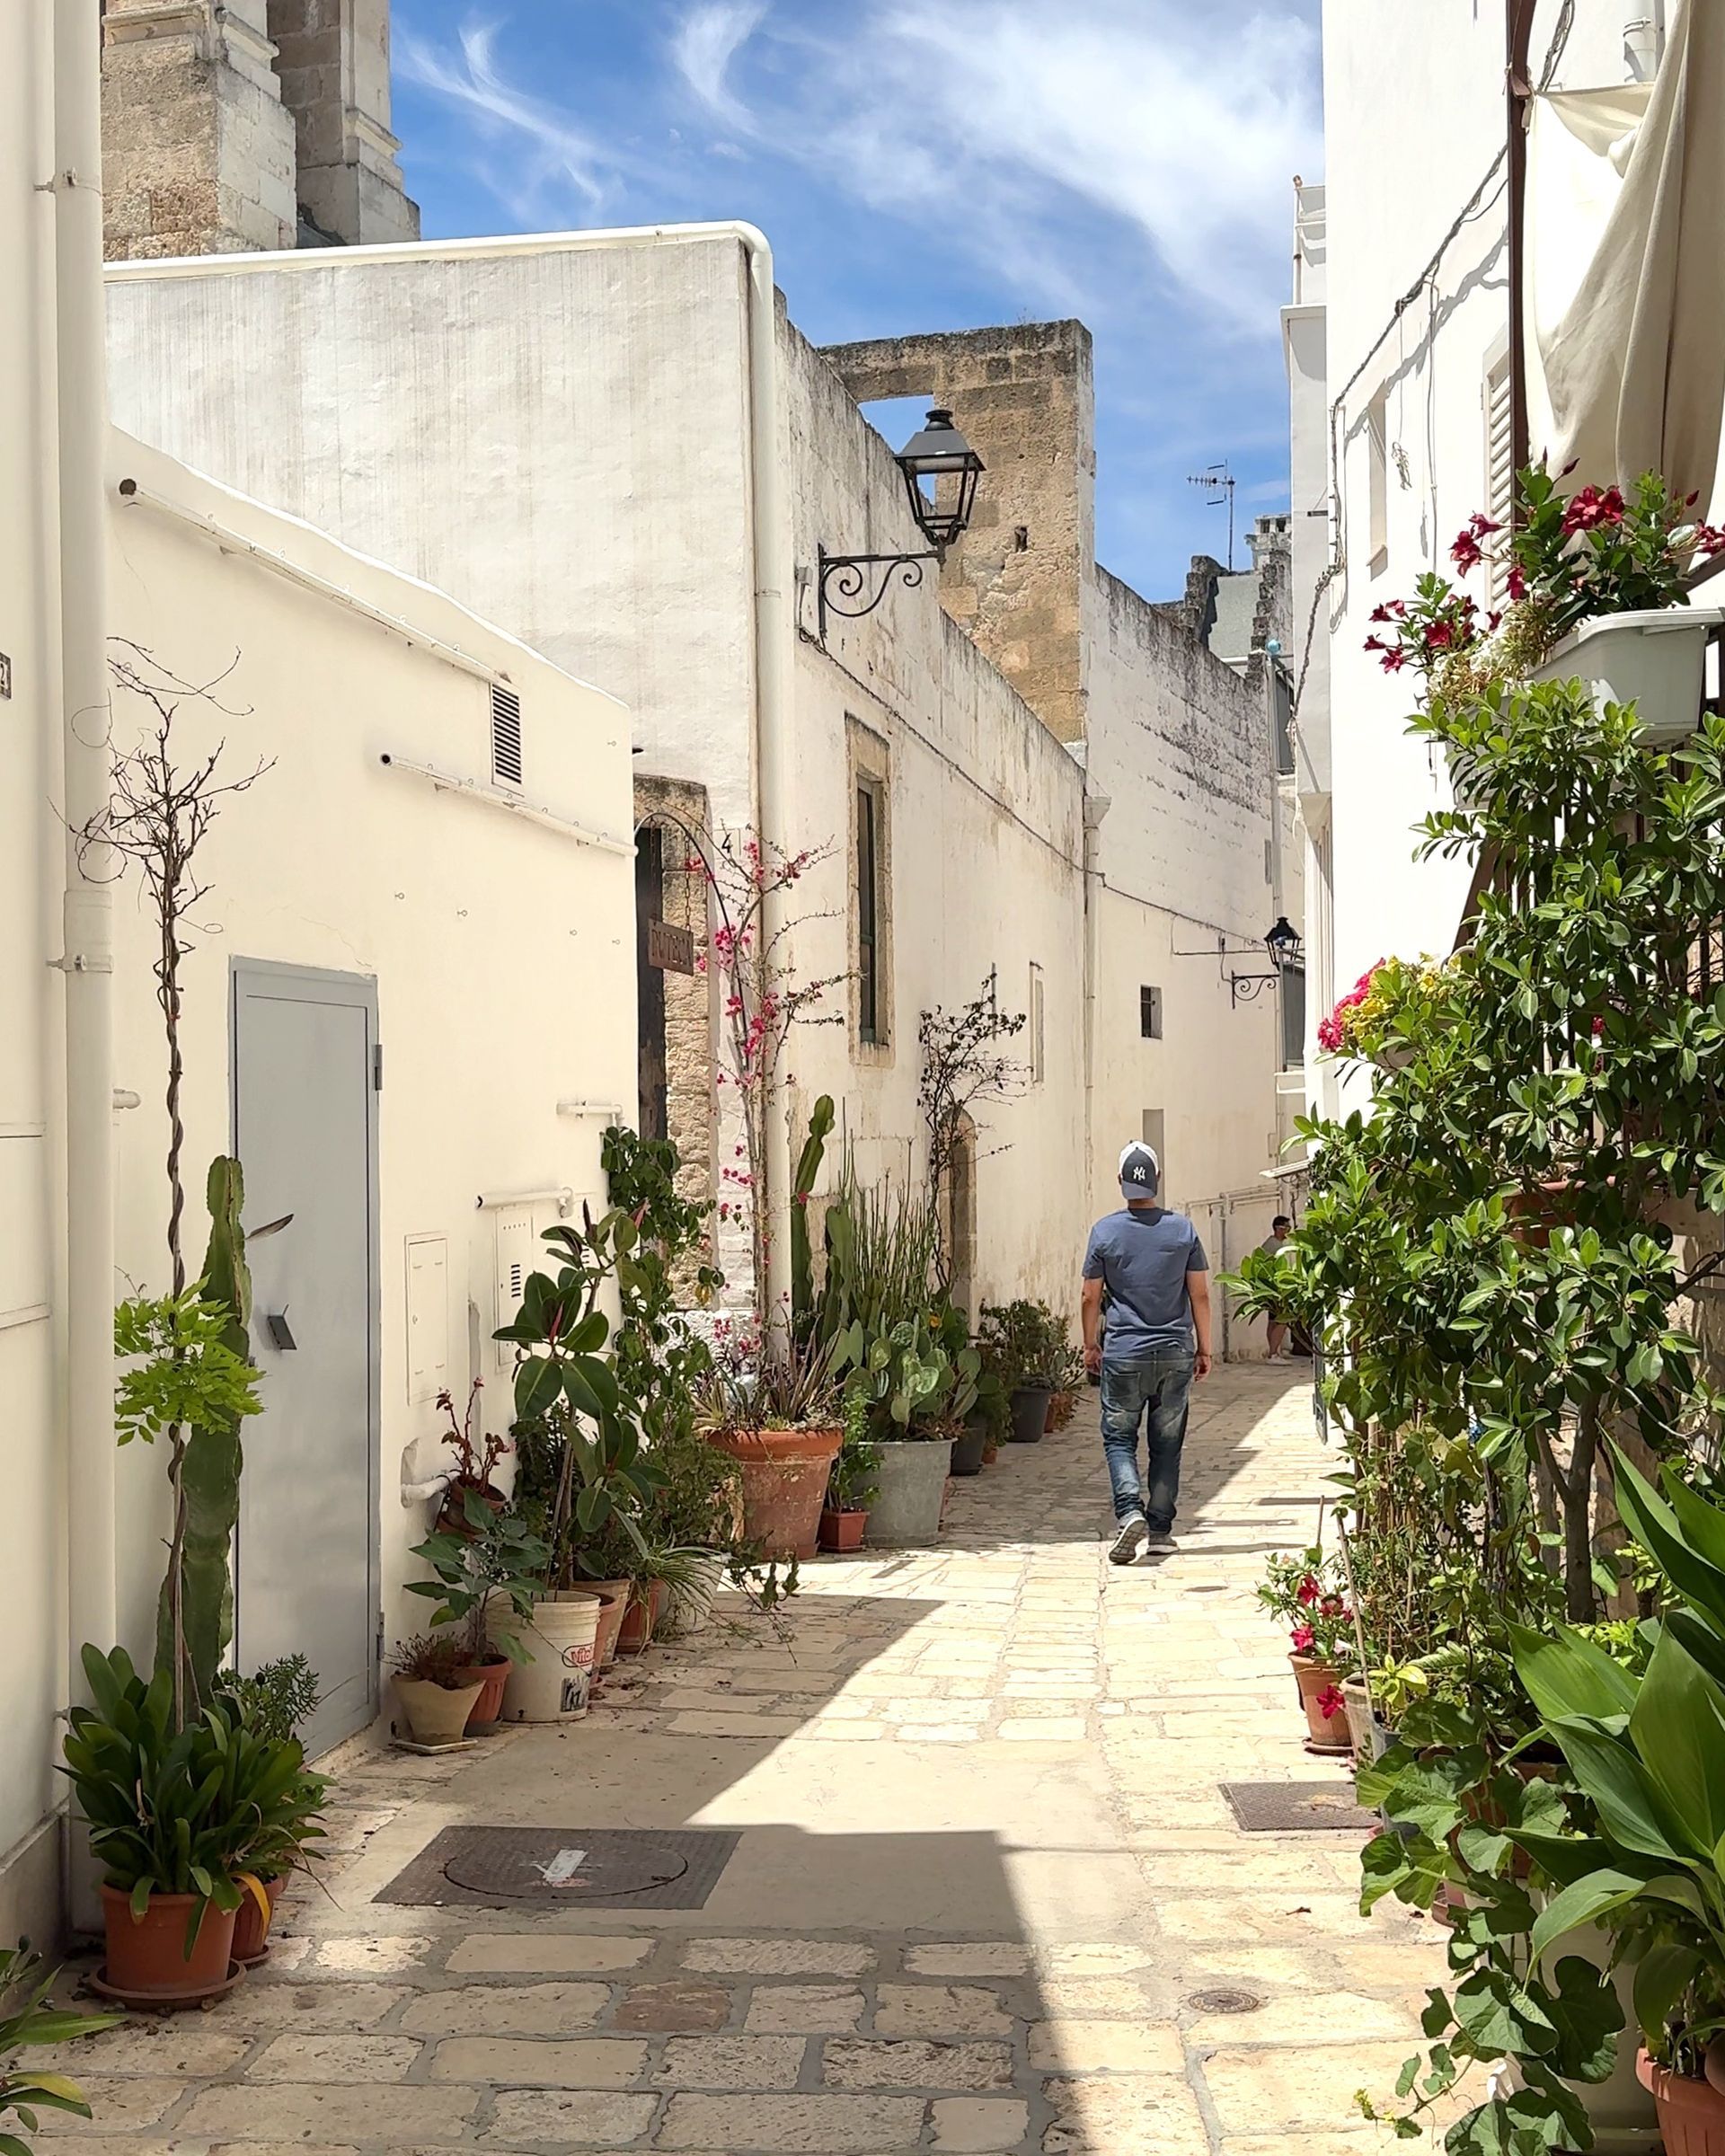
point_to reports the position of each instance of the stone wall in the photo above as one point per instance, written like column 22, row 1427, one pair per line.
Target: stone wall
column 677, row 808
column 1023, row 397
column 197, row 150
column 224, row 127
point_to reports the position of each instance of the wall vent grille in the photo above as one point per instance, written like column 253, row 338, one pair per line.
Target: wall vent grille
column 505, row 735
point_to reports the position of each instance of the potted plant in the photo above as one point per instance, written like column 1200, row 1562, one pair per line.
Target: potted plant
column 1023, row 1344
column 770, row 1403
column 694, row 1519
column 29, row 2016
column 915, row 1395
column 851, row 1482
column 489, row 1568
column 475, row 1465
column 177, row 1820
column 1300, row 1591
column 434, row 1688
column 993, row 1414
column 273, row 1702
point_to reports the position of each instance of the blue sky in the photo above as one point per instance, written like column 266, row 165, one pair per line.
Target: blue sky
column 925, row 164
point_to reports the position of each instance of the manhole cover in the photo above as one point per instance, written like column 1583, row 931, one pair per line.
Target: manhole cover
column 1298, row 1808
column 1225, row 1999
column 592, row 1867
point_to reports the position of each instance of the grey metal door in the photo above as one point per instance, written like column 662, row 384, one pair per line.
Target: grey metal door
column 305, row 1129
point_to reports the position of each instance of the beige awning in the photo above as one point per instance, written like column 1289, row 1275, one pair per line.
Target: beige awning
column 1626, row 267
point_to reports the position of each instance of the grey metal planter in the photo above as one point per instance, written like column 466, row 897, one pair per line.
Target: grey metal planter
column 911, row 1484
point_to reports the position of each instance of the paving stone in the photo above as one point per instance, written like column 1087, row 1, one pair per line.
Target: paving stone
column 675, row 2006
column 371, row 1957
column 860, row 2063
column 936, row 1733
column 308, row 2006
column 1305, row 2086
column 979, row 2126
column 583, row 2117
column 176, row 2043
column 387, row 2111
column 1314, row 2018
column 811, row 2009
column 848, row 1733
column 1107, row 2046
column 970, row 1957
column 546, row 1953
column 1128, row 2117
column 515, row 2010
column 1104, row 1957
column 319, row 2058
column 779, row 1956
column 939, row 2010
column 735, row 1725
column 567, row 2063
column 823, row 2125
column 118, row 2104
column 732, row 2062
column 1056, row 1730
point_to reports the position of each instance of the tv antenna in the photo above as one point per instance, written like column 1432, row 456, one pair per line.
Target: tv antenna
column 1218, row 485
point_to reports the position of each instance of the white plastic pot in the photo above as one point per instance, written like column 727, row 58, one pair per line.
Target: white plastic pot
column 554, row 1686
column 1656, row 660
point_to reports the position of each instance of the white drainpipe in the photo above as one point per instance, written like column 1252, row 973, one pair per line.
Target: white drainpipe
column 769, row 523
column 87, row 960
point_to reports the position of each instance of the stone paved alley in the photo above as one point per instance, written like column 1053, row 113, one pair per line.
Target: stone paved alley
column 984, row 1877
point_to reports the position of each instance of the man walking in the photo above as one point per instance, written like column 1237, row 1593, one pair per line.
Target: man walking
column 1272, row 1246
column 1151, row 1266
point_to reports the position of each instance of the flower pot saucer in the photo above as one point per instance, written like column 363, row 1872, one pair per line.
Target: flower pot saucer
column 152, row 2002
column 420, row 1751
column 1343, row 1750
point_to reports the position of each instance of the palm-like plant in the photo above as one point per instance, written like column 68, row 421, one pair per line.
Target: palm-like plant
column 27, row 2018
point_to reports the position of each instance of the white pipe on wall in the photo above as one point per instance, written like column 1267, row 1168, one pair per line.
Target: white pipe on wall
column 87, row 957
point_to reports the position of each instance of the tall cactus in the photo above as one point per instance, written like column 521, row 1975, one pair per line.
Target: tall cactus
column 209, row 1474
column 802, row 1261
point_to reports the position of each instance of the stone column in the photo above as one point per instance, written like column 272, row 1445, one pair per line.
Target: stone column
column 333, row 65
column 196, row 152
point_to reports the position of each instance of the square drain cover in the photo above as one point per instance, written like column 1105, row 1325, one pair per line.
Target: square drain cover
column 564, row 1867
column 1298, row 1807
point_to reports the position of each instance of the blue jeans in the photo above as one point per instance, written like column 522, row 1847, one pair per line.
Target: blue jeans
column 1163, row 1385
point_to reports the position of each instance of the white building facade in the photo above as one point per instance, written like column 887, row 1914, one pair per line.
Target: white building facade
column 606, row 441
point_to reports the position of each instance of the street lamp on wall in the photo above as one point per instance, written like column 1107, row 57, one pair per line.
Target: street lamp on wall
column 1287, row 954
column 941, row 471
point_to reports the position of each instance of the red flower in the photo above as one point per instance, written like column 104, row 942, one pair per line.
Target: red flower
column 1467, row 552
column 1439, row 636
column 1331, row 1702
column 1392, row 661
column 1590, row 508
column 1378, row 614
column 1516, row 584
column 1309, row 1592
column 1709, row 538
column 1303, row 1638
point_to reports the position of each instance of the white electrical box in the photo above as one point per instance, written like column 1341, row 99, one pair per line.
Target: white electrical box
column 428, row 1317
column 517, row 1249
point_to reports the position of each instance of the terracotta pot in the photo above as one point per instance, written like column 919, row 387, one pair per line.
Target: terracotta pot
column 434, row 1715
column 968, row 1448
column 1327, row 1733
column 1690, row 2114
column 990, row 1450
column 639, row 1618
column 490, row 1675
column 784, row 1482
column 146, row 1955
column 841, row 1530
column 251, row 1932
column 452, row 1514
column 1047, row 1420
column 1062, row 1407
column 614, row 1596
column 1030, row 1405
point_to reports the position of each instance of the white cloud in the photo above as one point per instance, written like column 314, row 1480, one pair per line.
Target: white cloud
column 705, row 42
column 1009, row 119
column 546, row 152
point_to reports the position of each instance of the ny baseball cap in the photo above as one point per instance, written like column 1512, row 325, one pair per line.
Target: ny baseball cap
column 1140, row 1170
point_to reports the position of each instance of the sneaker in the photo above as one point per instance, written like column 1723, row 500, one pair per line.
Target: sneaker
column 1128, row 1542
column 1277, row 1358
column 1158, row 1541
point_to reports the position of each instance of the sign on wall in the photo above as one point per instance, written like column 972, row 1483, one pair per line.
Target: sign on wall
column 671, row 949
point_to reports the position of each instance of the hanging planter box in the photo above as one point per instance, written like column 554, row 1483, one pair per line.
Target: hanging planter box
column 1656, row 660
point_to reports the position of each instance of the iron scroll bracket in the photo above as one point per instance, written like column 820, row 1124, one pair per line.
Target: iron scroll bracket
column 854, row 585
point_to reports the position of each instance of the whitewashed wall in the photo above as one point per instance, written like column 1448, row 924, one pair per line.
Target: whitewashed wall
column 31, row 1019
column 1413, row 104
column 503, row 950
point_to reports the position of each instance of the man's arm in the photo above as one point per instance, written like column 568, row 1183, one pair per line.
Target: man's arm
column 1197, row 1293
column 1093, row 1313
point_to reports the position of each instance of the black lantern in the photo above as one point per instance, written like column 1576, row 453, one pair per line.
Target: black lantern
column 940, row 453
column 1283, row 943
column 940, row 472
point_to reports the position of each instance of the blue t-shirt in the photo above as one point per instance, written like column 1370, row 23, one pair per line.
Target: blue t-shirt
column 1141, row 1257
